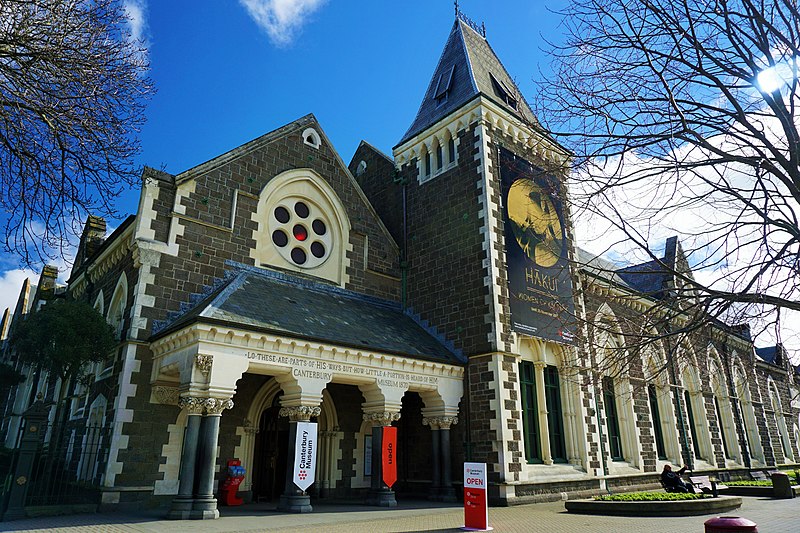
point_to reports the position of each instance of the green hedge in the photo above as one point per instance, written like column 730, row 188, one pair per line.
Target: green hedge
column 766, row 483
column 650, row 497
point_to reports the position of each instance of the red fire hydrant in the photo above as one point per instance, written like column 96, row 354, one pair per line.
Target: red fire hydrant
column 729, row 524
column 227, row 493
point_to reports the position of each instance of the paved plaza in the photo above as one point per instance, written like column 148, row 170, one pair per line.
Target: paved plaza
column 772, row 516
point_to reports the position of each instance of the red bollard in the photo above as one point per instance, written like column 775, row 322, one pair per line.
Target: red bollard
column 729, row 524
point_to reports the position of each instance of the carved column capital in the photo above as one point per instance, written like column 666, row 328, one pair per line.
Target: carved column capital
column 440, row 422
column 432, row 421
column 193, row 406
column 381, row 419
column 446, row 421
column 300, row 413
column 215, row 406
column 204, row 363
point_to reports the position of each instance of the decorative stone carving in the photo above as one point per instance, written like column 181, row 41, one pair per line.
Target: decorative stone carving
column 300, row 413
column 215, row 406
column 440, row 422
column 446, row 421
column 249, row 427
column 194, row 406
column 203, row 363
column 165, row 395
column 381, row 419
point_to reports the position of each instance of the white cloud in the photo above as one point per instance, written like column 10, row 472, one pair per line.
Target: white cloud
column 136, row 12
column 281, row 19
column 10, row 285
column 727, row 242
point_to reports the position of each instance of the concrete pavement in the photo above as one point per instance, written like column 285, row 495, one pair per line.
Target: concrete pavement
column 772, row 516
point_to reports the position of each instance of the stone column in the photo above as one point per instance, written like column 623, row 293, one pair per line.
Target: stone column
column 448, row 493
column 436, row 469
column 293, row 499
column 182, row 505
column 379, row 494
column 205, row 505
column 541, row 399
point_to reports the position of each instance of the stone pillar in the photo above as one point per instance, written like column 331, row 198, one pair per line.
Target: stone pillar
column 448, row 493
column 379, row 494
column 541, row 399
column 182, row 505
column 204, row 506
column 293, row 499
column 436, row 478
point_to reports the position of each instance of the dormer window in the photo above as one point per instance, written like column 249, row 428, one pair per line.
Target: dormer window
column 443, row 85
column 504, row 92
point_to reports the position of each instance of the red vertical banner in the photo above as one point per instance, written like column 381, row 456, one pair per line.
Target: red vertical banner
column 476, row 508
column 389, row 455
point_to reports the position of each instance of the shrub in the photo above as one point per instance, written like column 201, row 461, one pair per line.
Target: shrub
column 748, row 483
column 649, row 497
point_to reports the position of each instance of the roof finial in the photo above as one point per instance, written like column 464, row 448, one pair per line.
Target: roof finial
column 480, row 30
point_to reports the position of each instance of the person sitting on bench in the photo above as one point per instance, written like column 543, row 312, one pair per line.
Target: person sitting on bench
column 672, row 480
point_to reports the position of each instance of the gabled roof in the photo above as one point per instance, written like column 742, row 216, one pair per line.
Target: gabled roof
column 467, row 67
column 282, row 304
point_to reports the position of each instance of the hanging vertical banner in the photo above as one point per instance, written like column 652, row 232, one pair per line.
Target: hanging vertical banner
column 476, row 504
column 305, row 455
column 389, row 455
column 539, row 280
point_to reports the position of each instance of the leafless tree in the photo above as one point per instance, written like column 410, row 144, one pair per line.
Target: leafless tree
column 72, row 91
column 682, row 118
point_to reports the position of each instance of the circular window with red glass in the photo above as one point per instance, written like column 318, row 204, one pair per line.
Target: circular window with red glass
column 300, row 232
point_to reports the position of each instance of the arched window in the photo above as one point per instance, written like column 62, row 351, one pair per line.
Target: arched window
column 696, row 415
column 723, row 408
column 451, row 150
column 311, row 138
column 780, row 422
column 748, row 417
column 549, row 403
column 662, row 408
column 116, row 318
column 427, row 164
column 117, row 307
column 613, row 363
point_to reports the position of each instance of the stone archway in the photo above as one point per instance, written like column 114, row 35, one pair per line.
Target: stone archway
column 265, row 442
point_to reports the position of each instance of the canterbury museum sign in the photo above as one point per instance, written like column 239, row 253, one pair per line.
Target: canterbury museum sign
column 305, row 455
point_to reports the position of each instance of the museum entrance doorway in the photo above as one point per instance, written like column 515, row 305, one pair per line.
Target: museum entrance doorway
column 270, row 454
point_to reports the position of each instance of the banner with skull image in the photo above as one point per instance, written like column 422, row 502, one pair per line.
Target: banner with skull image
column 540, row 287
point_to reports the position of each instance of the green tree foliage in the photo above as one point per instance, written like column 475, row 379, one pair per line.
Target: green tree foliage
column 9, row 376
column 62, row 337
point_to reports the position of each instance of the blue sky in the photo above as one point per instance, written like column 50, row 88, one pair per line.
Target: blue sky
column 229, row 71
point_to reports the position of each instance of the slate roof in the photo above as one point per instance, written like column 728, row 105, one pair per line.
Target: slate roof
column 278, row 303
column 774, row 355
column 649, row 278
column 475, row 62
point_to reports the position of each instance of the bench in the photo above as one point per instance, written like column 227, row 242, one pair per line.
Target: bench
column 675, row 489
column 703, row 484
column 759, row 476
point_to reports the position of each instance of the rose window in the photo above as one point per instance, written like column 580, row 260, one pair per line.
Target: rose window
column 300, row 232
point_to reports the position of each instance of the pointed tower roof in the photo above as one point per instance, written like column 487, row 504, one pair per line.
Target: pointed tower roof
column 467, row 67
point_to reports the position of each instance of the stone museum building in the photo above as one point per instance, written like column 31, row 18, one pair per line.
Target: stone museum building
column 437, row 290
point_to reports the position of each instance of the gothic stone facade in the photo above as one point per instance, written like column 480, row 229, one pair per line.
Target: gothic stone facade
column 274, row 284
